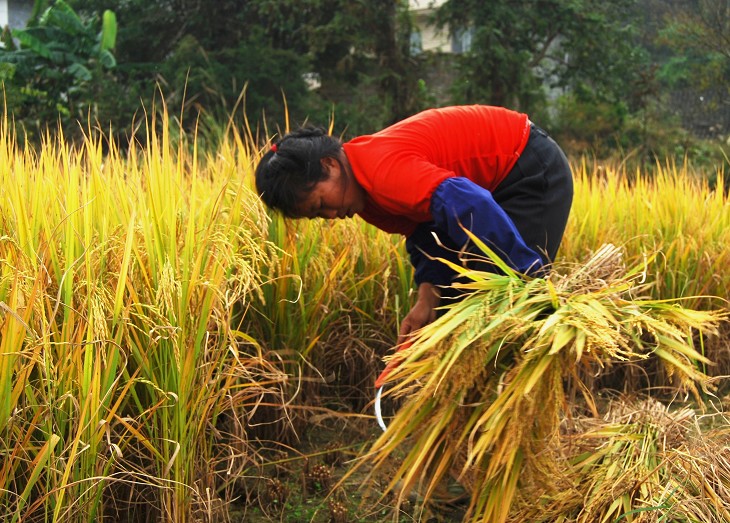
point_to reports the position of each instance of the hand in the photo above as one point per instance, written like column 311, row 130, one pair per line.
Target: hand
column 422, row 313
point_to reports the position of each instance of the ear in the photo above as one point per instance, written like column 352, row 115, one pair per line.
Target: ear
column 328, row 164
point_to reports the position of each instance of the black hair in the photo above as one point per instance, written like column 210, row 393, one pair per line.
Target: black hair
column 292, row 167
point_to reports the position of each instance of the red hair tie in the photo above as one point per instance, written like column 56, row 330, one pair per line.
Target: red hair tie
column 274, row 147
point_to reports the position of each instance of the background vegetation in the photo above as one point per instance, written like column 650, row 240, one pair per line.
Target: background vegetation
column 641, row 79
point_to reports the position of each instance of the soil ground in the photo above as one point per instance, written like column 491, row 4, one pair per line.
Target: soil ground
column 306, row 485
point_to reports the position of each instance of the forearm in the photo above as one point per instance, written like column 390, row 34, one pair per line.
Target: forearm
column 458, row 203
column 427, row 247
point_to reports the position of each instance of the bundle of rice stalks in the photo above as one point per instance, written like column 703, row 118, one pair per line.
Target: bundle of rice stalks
column 484, row 387
column 640, row 462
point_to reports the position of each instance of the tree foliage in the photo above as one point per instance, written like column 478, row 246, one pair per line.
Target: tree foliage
column 518, row 48
column 597, row 74
column 213, row 50
column 59, row 63
column 700, row 41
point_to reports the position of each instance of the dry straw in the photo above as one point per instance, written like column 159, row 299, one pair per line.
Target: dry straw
column 642, row 461
column 484, row 388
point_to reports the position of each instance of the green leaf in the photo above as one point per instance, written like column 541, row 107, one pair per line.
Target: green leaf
column 108, row 31
column 562, row 336
column 61, row 15
column 29, row 41
column 107, row 59
column 80, row 72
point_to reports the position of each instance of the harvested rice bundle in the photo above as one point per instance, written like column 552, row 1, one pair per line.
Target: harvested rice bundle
column 641, row 462
column 698, row 484
column 483, row 387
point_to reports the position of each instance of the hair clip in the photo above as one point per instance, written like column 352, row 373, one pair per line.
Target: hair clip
column 274, row 147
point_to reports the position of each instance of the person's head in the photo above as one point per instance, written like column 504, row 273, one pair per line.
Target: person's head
column 306, row 175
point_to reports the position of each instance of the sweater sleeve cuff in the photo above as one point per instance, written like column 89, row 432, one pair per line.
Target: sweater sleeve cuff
column 424, row 249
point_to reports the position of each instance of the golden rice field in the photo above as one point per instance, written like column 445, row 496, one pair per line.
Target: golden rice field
column 171, row 352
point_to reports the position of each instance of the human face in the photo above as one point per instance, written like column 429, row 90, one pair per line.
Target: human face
column 337, row 196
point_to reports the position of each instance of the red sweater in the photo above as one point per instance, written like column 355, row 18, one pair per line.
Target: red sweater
column 401, row 166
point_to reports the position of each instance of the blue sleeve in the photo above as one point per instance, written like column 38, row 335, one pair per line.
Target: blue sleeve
column 457, row 203
column 423, row 248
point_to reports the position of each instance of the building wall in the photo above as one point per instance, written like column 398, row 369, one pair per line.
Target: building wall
column 431, row 39
column 3, row 13
column 19, row 11
column 15, row 13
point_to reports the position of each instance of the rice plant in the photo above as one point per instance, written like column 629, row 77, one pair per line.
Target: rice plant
column 675, row 213
column 124, row 388
column 484, row 387
column 153, row 317
column 331, row 296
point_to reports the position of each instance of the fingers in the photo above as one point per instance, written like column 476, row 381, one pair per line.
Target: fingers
column 406, row 328
column 419, row 316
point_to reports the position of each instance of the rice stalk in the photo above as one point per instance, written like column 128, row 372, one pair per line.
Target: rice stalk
column 678, row 215
column 483, row 386
column 642, row 461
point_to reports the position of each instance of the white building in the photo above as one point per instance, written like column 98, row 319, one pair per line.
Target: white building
column 15, row 13
column 430, row 38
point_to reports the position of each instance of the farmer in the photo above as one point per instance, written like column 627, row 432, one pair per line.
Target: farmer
column 487, row 169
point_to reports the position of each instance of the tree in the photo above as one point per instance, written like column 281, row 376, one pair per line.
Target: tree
column 700, row 25
column 520, row 48
column 60, row 64
column 358, row 49
column 697, row 34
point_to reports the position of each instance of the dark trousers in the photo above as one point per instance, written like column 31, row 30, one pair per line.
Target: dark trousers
column 537, row 194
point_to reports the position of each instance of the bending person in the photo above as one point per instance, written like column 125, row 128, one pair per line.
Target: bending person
column 485, row 168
